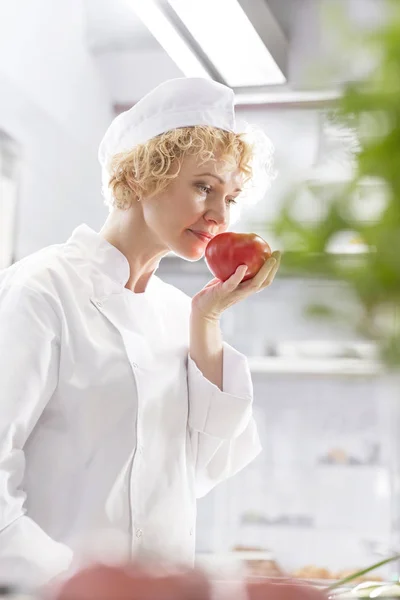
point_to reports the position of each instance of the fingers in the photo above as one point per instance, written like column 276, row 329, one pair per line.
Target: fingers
column 262, row 279
column 271, row 275
column 212, row 282
column 265, row 275
column 259, row 278
column 231, row 284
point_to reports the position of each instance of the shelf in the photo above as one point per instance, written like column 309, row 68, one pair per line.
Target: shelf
column 306, row 366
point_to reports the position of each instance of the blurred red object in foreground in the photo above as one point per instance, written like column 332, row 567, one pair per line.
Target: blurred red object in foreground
column 282, row 589
column 102, row 582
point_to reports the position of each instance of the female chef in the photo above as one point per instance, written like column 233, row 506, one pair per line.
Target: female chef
column 120, row 402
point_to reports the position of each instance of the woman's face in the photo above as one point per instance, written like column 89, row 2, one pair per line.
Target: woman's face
column 195, row 207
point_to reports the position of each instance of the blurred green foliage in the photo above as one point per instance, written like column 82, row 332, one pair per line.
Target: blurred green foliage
column 371, row 109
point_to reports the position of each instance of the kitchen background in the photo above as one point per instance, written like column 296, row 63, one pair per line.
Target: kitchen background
column 322, row 497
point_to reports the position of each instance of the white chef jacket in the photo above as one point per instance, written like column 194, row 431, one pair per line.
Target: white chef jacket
column 106, row 423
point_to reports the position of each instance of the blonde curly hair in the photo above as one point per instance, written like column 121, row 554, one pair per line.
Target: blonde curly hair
column 148, row 168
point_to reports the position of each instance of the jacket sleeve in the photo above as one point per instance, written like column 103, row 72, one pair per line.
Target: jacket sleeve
column 29, row 357
column 223, row 433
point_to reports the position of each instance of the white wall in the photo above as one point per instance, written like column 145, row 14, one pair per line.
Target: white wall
column 54, row 102
column 131, row 74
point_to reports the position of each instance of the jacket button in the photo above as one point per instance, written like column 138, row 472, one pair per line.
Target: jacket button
column 99, row 304
column 191, row 532
column 134, row 365
column 139, row 533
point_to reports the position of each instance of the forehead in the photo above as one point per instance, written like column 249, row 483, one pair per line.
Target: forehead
column 194, row 165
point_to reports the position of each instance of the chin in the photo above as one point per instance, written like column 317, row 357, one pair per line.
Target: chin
column 191, row 253
column 188, row 249
column 190, row 256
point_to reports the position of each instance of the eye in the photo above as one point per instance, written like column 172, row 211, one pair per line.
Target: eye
column 231, row 201
column 206, row 189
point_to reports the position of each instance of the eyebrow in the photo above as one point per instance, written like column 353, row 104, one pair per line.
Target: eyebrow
column 220, row 179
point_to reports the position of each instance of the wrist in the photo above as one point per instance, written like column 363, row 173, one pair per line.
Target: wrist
column 198, row 316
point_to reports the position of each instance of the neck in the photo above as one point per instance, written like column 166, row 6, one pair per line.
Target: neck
column 129, row 233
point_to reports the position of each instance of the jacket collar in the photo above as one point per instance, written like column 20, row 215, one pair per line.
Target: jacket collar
column 106, row 258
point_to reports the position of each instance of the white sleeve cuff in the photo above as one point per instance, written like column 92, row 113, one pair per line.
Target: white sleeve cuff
column 221, row 414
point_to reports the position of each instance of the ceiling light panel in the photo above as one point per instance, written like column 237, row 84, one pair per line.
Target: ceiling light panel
column 153, row 17
column 228, row 38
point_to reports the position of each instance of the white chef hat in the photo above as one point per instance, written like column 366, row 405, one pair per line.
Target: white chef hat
column 181, row 102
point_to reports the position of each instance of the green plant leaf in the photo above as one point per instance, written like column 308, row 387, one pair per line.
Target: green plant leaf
column 362, row 572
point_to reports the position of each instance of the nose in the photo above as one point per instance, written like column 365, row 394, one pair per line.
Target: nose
column 217, row 213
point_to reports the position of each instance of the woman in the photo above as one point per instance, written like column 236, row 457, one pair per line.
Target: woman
column 120, row 402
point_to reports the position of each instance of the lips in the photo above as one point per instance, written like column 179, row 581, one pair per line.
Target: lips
column 202, row 235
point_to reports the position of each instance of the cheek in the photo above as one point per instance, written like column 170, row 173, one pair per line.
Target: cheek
column 176, row 209
column 188, row 205
column 187, row 197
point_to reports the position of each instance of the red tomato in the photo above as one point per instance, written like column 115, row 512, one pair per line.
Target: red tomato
column 227, row 251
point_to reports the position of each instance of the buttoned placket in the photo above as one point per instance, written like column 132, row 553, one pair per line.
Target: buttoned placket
column 136, row 466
